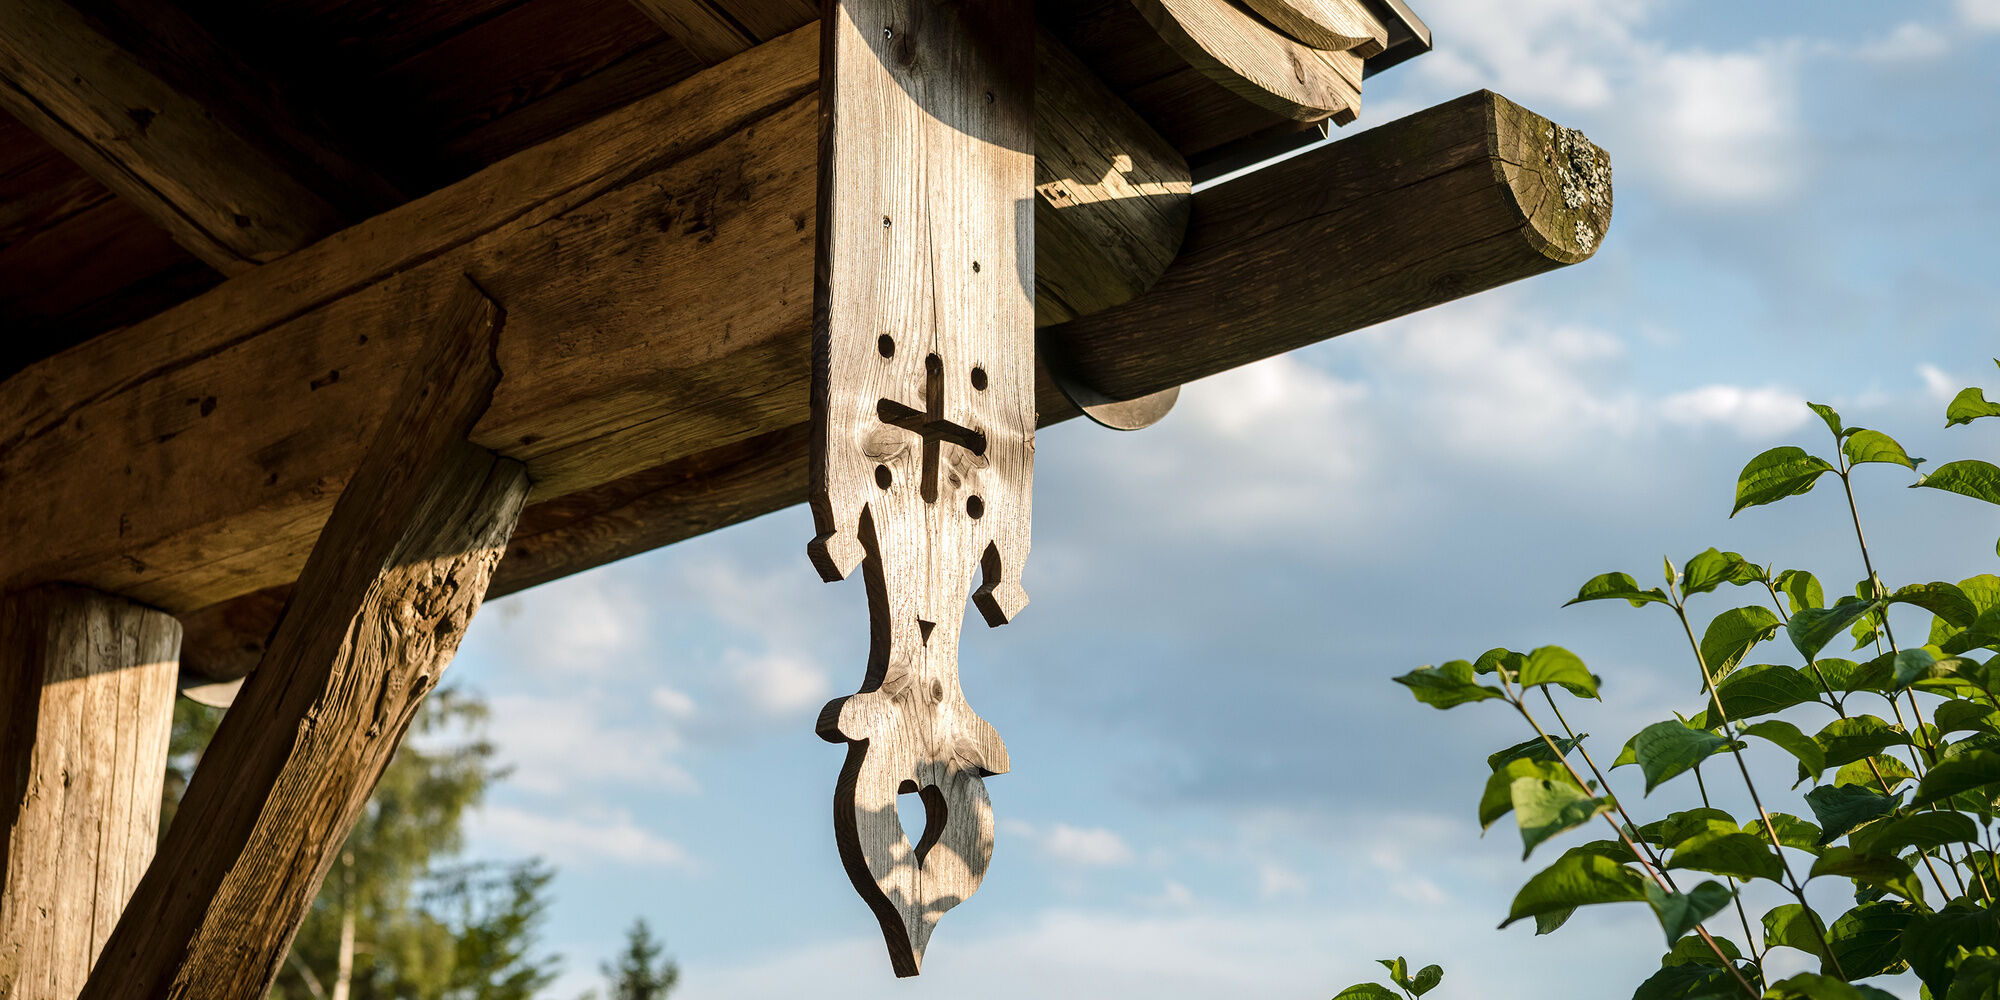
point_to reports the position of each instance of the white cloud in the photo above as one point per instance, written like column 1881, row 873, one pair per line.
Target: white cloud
column 1752, row 413
column 1912, row 41
column 676, row 703
column 579, row 624
column 554, row 744
column 779, row 684
column 1940, row 386
column 569, row 842
column 1723, row 127
column 1983, row 15
column 1275, row 880
column 1086, row 847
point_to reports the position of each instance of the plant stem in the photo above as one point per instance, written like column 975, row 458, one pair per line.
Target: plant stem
column 1640, row 849
column 1742, row 915
column 1736, row 750
column 1875, row 585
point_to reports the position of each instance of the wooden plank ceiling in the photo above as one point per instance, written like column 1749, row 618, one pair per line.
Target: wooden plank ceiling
column 424, row 94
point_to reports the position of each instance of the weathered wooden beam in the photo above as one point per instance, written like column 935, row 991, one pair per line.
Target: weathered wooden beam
column 1446, row 203
column 718, row 30
column 384, row 600
column 656, row 267
column 86, row 703
column 148, row 103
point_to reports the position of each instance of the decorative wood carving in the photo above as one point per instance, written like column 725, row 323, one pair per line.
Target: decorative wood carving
column 924, row 417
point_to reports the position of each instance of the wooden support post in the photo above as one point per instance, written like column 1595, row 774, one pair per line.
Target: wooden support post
column 86, row 703
column 386, row 596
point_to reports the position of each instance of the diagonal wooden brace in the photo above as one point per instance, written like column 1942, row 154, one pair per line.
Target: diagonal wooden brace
column 923, row 417
column 380, row 608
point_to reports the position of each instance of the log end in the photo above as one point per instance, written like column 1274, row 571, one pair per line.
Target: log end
column 1560, row 180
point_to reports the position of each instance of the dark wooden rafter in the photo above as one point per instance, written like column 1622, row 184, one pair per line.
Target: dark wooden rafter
column 149, row 104
column 380, row 608
column 1446, row 203
column 717, row 30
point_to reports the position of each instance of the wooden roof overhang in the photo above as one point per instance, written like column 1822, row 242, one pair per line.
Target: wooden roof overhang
column 641, row 201
column 463, row 296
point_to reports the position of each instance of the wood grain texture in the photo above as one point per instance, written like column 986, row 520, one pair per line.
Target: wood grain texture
column 1112, row 197
column 193, row 457
column 86, row 703
column 1335, row 25
column 1260, row 65
column 1463, row 197
column 377, row 616
column 718, row 30
column 924, row 417
column 152, row 107
column 1495, row 222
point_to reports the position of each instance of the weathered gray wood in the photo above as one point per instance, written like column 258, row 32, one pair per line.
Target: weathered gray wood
column 1337, row 25
column 1463, row 197
column 384, row 600
column 193, row 457
column 1111, row 195
column 151, row 106
column 1355, row 207
column 923, row 417
column 1263, row 66
column 86, row 702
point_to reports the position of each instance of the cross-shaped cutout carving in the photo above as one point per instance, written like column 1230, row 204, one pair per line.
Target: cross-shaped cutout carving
column 930, row 425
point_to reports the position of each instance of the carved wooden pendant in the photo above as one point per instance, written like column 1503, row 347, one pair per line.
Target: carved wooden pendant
column 924, row 417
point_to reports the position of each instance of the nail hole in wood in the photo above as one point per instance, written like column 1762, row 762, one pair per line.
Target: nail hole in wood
column 883, row 477
column 885, row 222
column 975, row 267
column 886, row 345
column 975, row 508
column 979, row 379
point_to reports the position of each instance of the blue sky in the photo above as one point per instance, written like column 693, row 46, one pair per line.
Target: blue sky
column 1216, row 789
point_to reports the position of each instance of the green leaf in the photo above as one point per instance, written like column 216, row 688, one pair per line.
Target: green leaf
column 1367, row 991
column 1688, row 982
column 1977, row 976
column 1550, row 922
column 1924, row 831
column 1732, row 852
column 1865, row 446
column 1911, row 666
column 1861, row 736
column 1957, row 774
column 1933, row 941
column 1679, row 826
column 1399, row 970
column 1681, row 913
column 1790, row 926
column 1813, row 628
column 1841, row 808
column 1868, row 940
column 1762, row 689
column 1811, row 986
column 1426, row 979
column 1447, row 686
column 1558, row 666
column 1968, row 477
column 1535, row 749
column 1693, row 950
column 1666, row 749
column 1732, row 634
column 1849, row 676
column 1545, row 807
column 1498, row 799
column 1964, row 716
column 1792, row 831
column 1775, row 475
column 1617, row 586
column 1863, row 772
column 1970, row 405
column 1812, row 759
column 1832, row 418
column 1887, row 872
column 1941, row 599
column 1801, row 590
column 1711, row 569
column 1577, row 880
